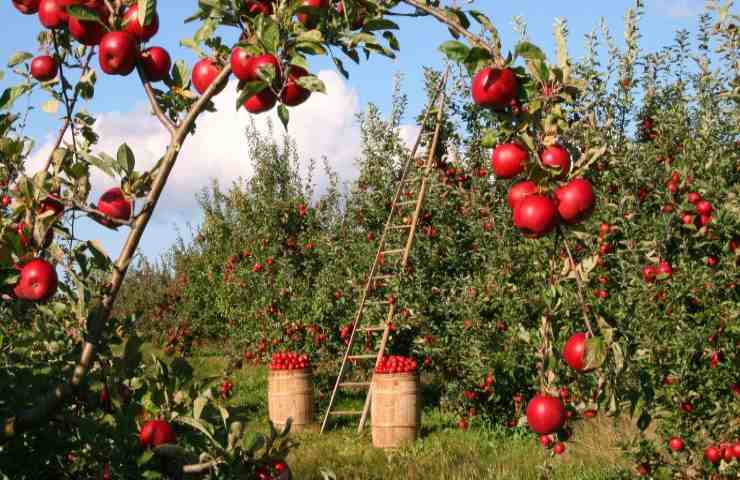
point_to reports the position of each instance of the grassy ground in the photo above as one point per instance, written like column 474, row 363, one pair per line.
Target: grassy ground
column 442, row 452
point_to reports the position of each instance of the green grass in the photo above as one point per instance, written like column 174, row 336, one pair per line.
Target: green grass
column 442, row 452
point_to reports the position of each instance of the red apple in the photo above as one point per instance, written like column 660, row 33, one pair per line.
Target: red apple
column 310, row 20
column 536, row 215
column 736, row 449
column 676, row 444
column 156, row 63
column 261, row 102
column 693, row 198
column 574, row 351
column 559, row 448
column 258, row 7
column 712, row 261
column 132, row 25
column 556, row 157
column 713, row 454
column 575, row 200
column 44, row 68
column 293, row 94
column 545, row 414
column 38, row 281
column 704, row 208
column 27, row 7
column 114, row 204
column 118, row 53
column 52, row 14
column 246, row 67
column 155, row 433
column 494, row 87
column 664, row 268
column 509, row 160
column 649, row 273
column 52, row 204
column 204, row 74
column 519, row 191
column 88, row 32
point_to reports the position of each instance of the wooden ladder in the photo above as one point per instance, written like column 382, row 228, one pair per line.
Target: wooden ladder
column 413, row 175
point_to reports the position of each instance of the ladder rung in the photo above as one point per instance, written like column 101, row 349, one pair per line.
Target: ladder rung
column 345, row 412
column 354, row 384
column 393, row 252
column 362, row 357
column 372, row 328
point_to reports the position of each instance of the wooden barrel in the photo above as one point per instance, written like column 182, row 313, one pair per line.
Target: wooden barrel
column 290, row 394
column 395, row 410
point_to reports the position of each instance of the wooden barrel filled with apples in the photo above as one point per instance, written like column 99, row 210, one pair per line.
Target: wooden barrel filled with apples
column 290, row 391
column 396, row 405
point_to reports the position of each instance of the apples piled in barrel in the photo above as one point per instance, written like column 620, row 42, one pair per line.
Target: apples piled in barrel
column 289, row 361
column 396, row 364
column 541, row 202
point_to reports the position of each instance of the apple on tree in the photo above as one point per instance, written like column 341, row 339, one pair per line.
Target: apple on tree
column 53, row 14
column 118, row 53
column 89, row 32
column 155, row 433
column 293, row 94
column 494, row 87
column 545, row 414
column 509, row 160
column 311, row 20
column 556, row 157
column 44, row 68
column 114, row 204
column 536, row 215
column 575, row 200
column 258, row 7
column 204, row 74
column 27, row 7
column 38, row 281
column 132, row 26
column 156, row 63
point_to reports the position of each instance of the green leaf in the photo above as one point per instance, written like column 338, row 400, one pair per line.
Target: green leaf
column 269, row 35
column 310, row 36
column 312, row 83
column 380, row 24
column 18, row 58
column 147, row 10
column 125, row 159
column 132, row 353
column 490, row 139
column 205, row 428
column 284, row 115
column 595, row 353
column 340, row 67
column 10, row 95
column 454, row 50
column 529, row 51
column 83, row 13
column 181, row 74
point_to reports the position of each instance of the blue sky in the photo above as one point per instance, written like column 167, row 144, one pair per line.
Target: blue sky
column 118, row 99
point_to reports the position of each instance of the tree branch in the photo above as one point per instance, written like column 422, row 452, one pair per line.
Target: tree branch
column 579, row 283
column 97, row 319
column 438, row 13
column 164, row 120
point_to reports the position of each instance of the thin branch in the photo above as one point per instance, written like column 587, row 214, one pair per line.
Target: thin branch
column 200, row 468
column 164, row 120
column 68, row 104
column 579, row 283
column 97, row 319
column 454, row 26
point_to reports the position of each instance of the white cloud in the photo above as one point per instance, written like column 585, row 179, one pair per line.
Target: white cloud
column 679, row 8
column 323, row 126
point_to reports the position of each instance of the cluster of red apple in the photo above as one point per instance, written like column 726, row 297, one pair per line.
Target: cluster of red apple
column 225, row 389
column 714, row 454
column 274, row 471
column 703, row 209
column 396, row 364
column 289, row 361
column 119, row 49
column 534, row 212
column 549, row 441
column 663, row 271
column 156, row 432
